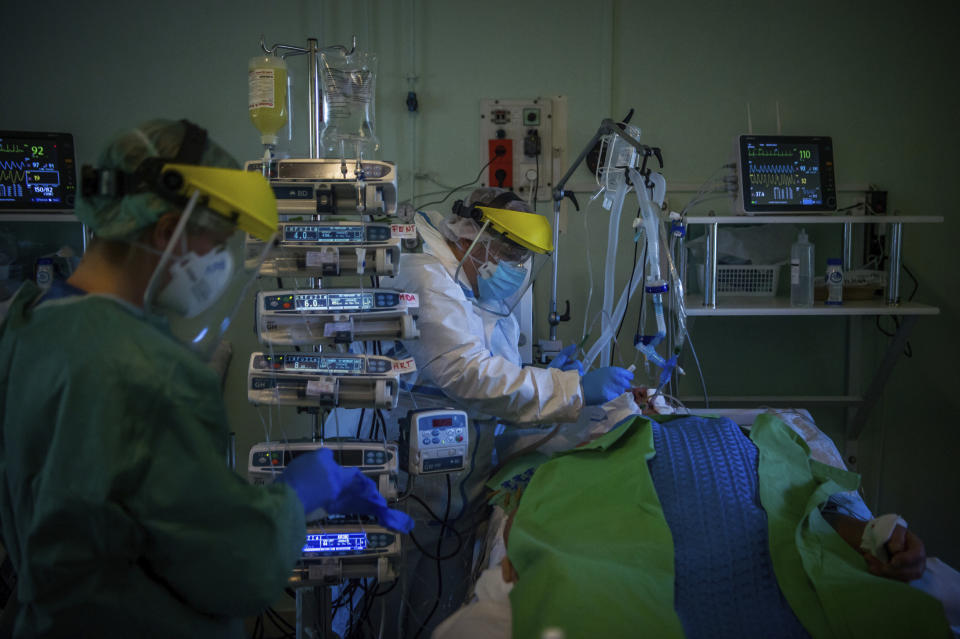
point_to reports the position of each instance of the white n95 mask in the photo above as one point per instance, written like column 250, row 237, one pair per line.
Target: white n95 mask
column 197, row 282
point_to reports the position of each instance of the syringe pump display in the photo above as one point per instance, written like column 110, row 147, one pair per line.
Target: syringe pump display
column 319, row 249
column 330, row 186
column 317, row 316
column 350, row 551
column 313, row 379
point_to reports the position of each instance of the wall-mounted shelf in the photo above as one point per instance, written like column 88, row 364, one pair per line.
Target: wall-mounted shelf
column 710, row 304
column 814, row 219
column 772, row 306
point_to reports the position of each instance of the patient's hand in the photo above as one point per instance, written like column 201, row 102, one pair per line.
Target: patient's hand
column 908, row 557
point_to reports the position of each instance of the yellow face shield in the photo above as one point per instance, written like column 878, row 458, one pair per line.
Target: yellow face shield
column 529, row 230
column 241, row 197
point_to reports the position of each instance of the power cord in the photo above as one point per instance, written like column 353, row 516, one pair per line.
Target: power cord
column 462, row 186
column 443, row 527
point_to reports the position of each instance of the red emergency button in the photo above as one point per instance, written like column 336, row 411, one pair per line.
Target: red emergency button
column 459, row 438
column 286, row 304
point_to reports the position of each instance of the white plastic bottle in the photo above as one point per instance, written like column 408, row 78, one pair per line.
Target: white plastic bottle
column 834, row 280
column 801, row 271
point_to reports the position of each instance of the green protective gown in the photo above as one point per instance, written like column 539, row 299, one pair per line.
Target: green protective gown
column 117, row 507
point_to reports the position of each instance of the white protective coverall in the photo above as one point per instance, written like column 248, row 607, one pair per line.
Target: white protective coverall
column 467, row 358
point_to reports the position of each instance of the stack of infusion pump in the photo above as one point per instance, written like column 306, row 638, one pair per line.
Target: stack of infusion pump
column 327, row 234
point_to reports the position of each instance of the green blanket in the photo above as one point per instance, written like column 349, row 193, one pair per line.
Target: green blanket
column 595, row 555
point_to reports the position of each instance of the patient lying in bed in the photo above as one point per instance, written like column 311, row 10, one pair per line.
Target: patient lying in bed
column 689, row 528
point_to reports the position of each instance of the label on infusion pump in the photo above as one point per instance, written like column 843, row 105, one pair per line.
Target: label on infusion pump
column 404, row 366
column 795, row 272
column 404, row 231
column 410, row 300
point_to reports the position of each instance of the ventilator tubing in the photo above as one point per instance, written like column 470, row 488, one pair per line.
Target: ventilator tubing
column 610, row 329
column 651, row 224
column 655, row 284
column 609, row 272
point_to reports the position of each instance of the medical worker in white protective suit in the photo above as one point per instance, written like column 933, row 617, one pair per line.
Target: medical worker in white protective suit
column 474, row 266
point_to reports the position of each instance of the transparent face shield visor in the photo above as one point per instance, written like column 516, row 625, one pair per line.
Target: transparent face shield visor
column 499, row 271
column 203, row 276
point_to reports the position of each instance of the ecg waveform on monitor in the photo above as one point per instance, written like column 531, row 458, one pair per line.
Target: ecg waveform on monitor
column 768, row 153
column 772, row 179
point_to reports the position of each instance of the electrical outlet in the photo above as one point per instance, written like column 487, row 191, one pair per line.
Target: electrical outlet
column 533, row 131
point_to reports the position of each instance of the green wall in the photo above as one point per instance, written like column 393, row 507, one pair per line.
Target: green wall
column 879, row 77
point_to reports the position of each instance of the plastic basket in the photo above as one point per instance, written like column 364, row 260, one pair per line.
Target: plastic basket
column 745, row 279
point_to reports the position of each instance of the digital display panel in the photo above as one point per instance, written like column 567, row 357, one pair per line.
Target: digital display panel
column 335, row 542
column 334, row 301
column 323, row 233
column 324, row 363
column 445, row 421
column 344, row 457
column 36, row 171
column 780, row 173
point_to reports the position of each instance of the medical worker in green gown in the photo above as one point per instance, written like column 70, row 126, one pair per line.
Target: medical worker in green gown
column 118, row 510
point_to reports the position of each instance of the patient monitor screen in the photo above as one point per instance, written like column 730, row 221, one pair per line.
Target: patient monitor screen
column 781, row 174
column 36, row 172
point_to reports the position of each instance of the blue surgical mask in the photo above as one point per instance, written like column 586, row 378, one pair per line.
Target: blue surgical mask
column 501, row 282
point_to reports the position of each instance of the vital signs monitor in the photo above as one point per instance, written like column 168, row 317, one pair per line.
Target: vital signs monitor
column 785, row 174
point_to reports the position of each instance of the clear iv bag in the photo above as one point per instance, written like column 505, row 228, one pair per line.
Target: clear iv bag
column 349, row 83
column 267, row 96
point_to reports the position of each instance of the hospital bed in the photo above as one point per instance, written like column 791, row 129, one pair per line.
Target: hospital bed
column 490, row 616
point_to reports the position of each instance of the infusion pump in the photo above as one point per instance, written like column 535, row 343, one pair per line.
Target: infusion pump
column 436, row 440
column 339, row 547
column 351, row 551
column 329, row 186
column 317, row 316
column 314, row 379
column 378, row 460
column 323, row 249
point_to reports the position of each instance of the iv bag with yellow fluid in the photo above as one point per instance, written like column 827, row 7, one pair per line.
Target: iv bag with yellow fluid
column 267, row 84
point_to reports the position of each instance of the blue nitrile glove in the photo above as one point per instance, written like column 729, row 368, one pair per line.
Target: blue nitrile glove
column 316, row 478
column 321, row 482
column 604, row 384
column 563, row 361
column 360, row 497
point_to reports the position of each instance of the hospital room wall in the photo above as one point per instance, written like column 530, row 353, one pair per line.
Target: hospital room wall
column 880, row 82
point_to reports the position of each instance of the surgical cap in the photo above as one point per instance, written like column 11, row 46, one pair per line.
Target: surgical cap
column 456, row 227
column 124, row 218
